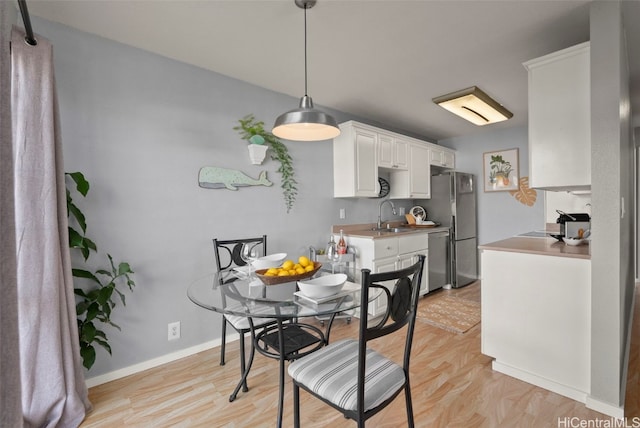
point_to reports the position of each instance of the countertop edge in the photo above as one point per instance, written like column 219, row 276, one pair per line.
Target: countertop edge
column 539, row 246
column 364, row 231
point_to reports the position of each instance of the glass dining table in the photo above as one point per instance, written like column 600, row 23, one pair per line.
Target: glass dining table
column 289, row 337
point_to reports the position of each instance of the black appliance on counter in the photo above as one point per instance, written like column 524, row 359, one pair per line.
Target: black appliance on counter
column 571, row 224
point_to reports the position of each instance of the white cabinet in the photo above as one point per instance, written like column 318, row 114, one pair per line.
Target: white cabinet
column 393, row 152
column 560, row 120
column 415, row 183
column 442, row 157
column 536, row 319
column 360, row 150
column 387, row 254
column 420, row 172
column 355, row 170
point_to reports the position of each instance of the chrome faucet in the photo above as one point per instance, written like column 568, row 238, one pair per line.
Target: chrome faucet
column 393, row 207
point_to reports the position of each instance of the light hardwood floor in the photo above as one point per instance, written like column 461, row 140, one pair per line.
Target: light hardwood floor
column 453, row 385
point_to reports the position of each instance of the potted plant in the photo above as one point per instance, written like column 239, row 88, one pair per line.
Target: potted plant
column 96, row 300
column 253, row 131
column 257, row 149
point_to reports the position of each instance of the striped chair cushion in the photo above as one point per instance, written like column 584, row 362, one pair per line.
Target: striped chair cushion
column 332, row 373
column 242, row 323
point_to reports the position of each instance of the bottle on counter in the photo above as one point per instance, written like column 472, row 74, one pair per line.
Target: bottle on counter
column 342, row 244
column 331, row 247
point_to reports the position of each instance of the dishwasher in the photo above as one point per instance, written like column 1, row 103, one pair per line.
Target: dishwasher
column 439, row 260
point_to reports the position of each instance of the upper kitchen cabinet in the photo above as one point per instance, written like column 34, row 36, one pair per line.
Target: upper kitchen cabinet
column 361, row 151
column 355, row 169
column 559, row 120
column 415, row 183
column 393, row 152
column 442, row 157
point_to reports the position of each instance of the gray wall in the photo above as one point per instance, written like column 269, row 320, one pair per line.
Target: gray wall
column 500, row 215
column 612, row 180
column 140, row 126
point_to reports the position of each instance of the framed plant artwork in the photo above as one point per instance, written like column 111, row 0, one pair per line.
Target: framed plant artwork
column 501, row 171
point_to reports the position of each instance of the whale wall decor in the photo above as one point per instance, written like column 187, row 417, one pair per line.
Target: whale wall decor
column 211, row 177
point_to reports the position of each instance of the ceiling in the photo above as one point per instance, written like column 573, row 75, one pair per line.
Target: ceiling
column 379, row 60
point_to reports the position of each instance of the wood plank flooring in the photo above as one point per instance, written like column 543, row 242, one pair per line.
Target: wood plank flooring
column 453, row 385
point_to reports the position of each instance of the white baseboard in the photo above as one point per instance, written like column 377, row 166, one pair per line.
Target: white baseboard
column 547, row 384
column 155, row 362
column 606, row 408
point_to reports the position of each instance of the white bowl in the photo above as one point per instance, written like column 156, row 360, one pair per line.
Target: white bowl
column 573, row 241
column 323, row 286
column 272, row 260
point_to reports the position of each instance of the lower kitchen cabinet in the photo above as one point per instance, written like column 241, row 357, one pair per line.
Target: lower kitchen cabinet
column 392, row 253
column 536, row 319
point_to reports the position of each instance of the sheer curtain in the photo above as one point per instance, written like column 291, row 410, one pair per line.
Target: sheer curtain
column 52, row 378
column 10, row 407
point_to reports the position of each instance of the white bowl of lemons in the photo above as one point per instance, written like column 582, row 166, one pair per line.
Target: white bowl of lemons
column 323, row 286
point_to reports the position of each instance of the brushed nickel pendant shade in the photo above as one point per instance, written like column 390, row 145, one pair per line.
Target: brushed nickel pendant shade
column 305, row 123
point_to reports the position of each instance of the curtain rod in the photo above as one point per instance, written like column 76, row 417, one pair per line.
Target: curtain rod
column 27, row 23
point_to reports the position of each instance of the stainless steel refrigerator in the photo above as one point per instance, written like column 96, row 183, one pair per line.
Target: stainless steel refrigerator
column 453, row 204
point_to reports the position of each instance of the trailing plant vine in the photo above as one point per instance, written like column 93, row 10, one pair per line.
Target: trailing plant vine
column 248, row 127
column 94, row 302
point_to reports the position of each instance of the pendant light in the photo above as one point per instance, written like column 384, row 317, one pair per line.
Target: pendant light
column 305, row 123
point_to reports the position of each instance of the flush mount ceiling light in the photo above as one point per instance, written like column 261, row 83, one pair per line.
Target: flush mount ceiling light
column 474, row 105
column 305, row 123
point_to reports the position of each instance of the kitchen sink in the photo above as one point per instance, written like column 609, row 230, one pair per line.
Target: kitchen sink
column 390, row 230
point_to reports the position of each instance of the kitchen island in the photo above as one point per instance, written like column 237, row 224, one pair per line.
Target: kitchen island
column 536, row 312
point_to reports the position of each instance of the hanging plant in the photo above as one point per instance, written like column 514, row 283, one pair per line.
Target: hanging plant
column 253, row 131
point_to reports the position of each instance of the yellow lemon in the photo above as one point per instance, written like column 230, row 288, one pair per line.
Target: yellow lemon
column 297, row 265
column 308, row 268
column 300, row 270
column 288, row 265
column 292, row 271
column 269, row 274
column 271, row 271
column 304, row 262
column 283, row 273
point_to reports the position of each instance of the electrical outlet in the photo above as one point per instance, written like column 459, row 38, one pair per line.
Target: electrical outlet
column 402, row 211
column 343, row 213
column 173, row 331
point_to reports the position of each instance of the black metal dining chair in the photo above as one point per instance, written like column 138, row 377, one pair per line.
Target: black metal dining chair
column 349, row 375
column 228, row 255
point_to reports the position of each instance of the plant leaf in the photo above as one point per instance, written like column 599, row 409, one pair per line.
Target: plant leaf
column 524, row 194
column 103, row 343
column 105, row 295
column 88, row 354
column 81, row 273
column 82, row 185
column 92, row 312
column 124, row 268
column 78, row 215
column 88, row 332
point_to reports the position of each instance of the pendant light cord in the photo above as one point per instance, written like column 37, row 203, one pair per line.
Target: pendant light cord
column 305, row 51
